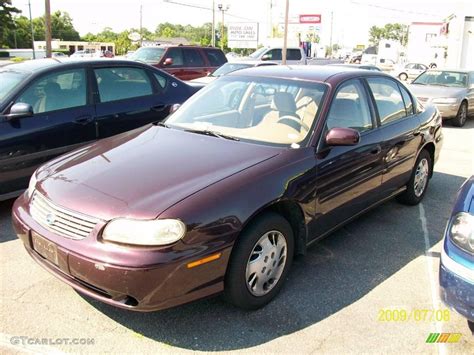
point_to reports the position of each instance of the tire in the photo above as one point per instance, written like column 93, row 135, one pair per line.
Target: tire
column 402, row 76
column 420, row 175
column 256, row 249
column 461, row 117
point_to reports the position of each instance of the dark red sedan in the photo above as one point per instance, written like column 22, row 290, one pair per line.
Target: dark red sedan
column 247, row 173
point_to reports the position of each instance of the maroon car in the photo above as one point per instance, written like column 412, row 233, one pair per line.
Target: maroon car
column 247, row 173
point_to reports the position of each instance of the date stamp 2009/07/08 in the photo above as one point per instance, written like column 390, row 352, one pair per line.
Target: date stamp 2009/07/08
column 416, row 315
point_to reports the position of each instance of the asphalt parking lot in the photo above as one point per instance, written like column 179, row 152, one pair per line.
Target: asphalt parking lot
column 331, row 303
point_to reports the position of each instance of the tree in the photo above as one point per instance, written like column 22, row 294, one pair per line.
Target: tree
column 391, row 31
column 6, row 20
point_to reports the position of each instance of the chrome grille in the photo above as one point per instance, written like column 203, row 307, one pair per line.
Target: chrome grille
column 60, row 220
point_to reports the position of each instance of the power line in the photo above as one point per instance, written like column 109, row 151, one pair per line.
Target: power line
column 394, row 9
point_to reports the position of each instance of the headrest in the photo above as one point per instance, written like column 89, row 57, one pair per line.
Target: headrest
column 283, row 102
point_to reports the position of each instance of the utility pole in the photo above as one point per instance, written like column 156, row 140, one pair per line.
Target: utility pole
column 330, row 37
column 32, row 32
column 47, row 18
column 222, row 9
column 213, row 39
column 141, row 25
column 285, row 35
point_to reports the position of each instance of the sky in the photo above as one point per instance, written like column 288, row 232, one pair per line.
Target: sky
column 351, row 19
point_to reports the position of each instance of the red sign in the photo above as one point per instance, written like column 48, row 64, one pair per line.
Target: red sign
column 310, row 18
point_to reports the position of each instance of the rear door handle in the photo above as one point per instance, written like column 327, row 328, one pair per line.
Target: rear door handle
column 158, row 108
column 84, row 120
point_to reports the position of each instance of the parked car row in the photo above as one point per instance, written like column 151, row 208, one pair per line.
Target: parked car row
column 223, row 193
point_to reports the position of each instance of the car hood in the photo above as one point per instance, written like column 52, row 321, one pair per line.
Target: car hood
column 140, row 174
column 203, row 80
column 436, row 91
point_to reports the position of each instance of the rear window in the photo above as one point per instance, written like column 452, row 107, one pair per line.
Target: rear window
column 293, row 54
column 9, row 81
column 215, row 57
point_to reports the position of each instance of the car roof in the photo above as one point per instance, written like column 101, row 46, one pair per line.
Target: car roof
column 465, row 71
column 320, row 73
column 38, row 65
column 252, row 62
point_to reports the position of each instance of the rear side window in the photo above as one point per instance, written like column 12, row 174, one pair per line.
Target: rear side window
column 388, row 99
column 57, row 91
column 192, row 58
column 407, row 100
column 122, row 83
column 293, row 54
column 215, row 57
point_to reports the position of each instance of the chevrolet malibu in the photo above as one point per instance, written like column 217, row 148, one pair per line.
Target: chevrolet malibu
column 250, row 171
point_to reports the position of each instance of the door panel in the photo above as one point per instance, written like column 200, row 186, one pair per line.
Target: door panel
column 127, row 100
column 62, row 120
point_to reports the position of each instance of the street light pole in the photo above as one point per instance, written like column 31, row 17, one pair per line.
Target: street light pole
column 47, row 18
column 32, row 32
column 222, row 9
column 213, row 39
column 285, row 36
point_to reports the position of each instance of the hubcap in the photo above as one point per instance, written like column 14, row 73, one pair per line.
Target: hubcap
column 421, row 177
column 266, row 263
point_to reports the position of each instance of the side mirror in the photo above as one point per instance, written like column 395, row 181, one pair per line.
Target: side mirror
column 19, row 110
column 168, row 61
column 266, row 57
column 342, row 136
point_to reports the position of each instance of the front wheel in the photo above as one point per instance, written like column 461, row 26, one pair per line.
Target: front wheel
column 418, row 183
column 461, row 117
column 259, row 262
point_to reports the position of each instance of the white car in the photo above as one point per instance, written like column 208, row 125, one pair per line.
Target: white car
column 409, row 71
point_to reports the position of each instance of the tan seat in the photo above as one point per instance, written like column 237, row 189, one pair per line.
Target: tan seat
column 283, row 104
column 306, row 110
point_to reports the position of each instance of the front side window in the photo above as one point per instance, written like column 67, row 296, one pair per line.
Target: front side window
column 176, row 55
column 350, row 109
column 57, row 91
column 388, row 99
column 274, row 54
column 407, row 100
column 122, row 83
column 262, row 110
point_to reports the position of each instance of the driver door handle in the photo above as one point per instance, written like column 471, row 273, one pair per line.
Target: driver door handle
column 83, row 120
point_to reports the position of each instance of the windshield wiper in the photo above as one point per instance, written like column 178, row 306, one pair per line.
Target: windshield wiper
column 212, row 133
column 161, row 124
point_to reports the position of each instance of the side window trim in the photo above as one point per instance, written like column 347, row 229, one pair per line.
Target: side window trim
column 401, row 89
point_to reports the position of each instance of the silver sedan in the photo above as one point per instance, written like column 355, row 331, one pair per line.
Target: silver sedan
column 451, row 91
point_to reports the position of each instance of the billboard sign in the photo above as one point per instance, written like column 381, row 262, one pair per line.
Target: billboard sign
column 242, row 35
column 310, row 18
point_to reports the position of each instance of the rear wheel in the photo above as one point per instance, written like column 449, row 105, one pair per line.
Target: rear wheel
column 418, row 184
column 259, row 262
column 461, row 117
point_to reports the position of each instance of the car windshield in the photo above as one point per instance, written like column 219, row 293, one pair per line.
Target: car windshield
column 442, row 78
column 148, row 55
column 229, row 67
column 257, row 53
column 262, row 110
column 9, row 80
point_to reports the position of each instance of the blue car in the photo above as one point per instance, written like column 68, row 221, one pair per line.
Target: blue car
column 456, row 272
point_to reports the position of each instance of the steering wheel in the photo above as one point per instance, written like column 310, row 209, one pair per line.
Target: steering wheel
column 294, row 119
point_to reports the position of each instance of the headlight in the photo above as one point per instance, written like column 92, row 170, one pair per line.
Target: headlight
column 139, row 232
column 31, row 185
column 445, row 100
column 461, row 231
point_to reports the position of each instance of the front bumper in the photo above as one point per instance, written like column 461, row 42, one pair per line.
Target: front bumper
column 448, row 110
column 167, row 283
column 457, row 286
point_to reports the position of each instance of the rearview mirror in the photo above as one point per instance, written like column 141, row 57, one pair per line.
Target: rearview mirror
column 168, row 61
column 342, row 136
column 266, row 57
column 19, row 110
